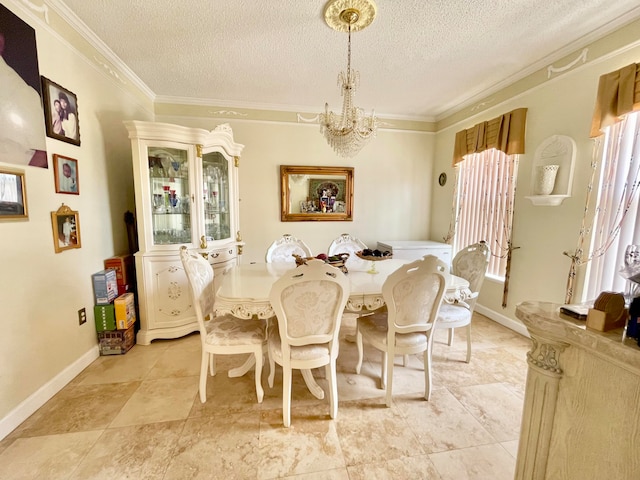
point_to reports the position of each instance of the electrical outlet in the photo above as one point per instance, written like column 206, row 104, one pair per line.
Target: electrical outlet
column 82, row 316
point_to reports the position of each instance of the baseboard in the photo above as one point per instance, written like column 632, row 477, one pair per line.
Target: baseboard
column 503, row 320
column 25, row 409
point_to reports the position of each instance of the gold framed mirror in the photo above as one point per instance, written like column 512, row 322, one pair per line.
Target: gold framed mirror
column 316, row 194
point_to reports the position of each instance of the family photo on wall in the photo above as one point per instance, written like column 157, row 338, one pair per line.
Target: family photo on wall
column 61, row 112
column 65, row 171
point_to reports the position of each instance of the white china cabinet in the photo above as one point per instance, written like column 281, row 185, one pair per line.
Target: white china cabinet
column 186, row 192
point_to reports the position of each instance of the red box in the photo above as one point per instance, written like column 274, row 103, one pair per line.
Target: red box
column 122, row 289
column 123, row 265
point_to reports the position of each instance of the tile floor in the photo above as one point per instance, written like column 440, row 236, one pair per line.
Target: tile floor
column 138, row 416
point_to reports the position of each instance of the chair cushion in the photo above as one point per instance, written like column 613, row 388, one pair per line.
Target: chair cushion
column 302, row 353
column 228, row 330
column 375, row 327
column 452, row 315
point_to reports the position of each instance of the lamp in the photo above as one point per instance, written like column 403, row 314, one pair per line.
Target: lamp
column 349, row 132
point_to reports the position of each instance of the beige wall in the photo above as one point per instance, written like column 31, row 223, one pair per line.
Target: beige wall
column 396, row 197
column 562, row 105
column 392, row 178
column 40, row 291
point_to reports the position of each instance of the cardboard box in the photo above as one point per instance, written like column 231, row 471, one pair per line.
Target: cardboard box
column 125, row 311
column 105, row 286
column 604, row 321
column 105, row 317
column 123, row 288
column 116, row 342
column 123, row 265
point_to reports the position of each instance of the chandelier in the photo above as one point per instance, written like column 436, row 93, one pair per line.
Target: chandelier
column 348, row 132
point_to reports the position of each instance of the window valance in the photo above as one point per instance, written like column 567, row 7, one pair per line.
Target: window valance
column 618, row 94
column 504, row 133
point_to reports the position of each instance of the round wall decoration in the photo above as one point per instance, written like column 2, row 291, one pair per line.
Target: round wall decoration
column 442, row 179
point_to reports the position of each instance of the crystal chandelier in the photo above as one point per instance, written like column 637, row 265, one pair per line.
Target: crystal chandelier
column 348, row 132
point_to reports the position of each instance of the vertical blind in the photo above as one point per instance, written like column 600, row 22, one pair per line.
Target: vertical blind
column 485, row 208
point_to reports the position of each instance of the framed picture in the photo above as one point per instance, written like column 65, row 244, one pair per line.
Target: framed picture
column 60, row 112
column 66, row 229
column 325, row 192
column 65, row 171
column 13, row 194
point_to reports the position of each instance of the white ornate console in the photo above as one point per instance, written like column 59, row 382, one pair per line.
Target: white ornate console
column 581, row 417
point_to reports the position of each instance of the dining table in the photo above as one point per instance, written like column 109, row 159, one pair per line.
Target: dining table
column 243, row 291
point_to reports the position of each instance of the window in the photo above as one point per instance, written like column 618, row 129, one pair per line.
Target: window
column 486, row 191
column 616, row 213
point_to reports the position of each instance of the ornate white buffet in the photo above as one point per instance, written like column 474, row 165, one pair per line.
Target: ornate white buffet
column 581, row 417
column 186, row 192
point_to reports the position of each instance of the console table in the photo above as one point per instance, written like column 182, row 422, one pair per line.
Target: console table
column 581, row 416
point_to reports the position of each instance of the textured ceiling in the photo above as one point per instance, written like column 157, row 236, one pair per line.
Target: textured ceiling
column 418, row 59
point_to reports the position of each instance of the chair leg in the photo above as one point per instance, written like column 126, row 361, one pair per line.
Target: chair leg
column 204, row 363
column 258, row 374
column 388, row 363
column 212, row 364
column 286, row 395
column 383, row 370
column 272, row 370
column 450, row 339
column 333, row 388
column 360, row 350
column 427, row 373
column 468, row 343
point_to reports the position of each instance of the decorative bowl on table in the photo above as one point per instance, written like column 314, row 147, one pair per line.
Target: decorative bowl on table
column 373, row 256
column 338, row 260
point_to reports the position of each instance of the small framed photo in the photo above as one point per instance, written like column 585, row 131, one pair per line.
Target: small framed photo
column 65, row 171
column 66, row 229
column 13, row 194
column 60, row 112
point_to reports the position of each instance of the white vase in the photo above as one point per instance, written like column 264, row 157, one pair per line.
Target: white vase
column 545, row 179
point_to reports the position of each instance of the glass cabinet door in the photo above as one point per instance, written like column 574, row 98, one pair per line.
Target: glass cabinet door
column 170, row 195
column 215, row 182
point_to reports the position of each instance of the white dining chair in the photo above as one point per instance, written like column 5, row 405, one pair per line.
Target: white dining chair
column 308, row 302
column 283, row 249
column 470, row 263
column 413, row 295
column 346, row 243
column 220, row 335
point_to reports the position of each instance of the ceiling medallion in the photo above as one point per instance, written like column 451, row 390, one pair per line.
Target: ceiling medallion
column 348, row 132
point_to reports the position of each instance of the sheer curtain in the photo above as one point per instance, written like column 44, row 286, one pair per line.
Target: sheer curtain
column 616, row 216
column 486, row 186
column 486, row 161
